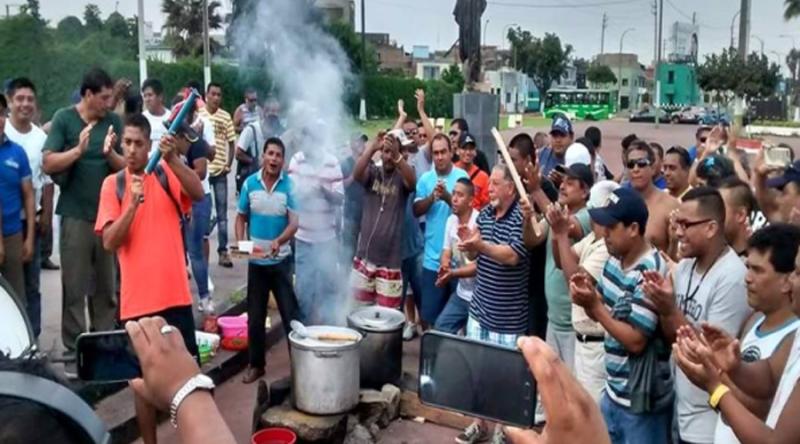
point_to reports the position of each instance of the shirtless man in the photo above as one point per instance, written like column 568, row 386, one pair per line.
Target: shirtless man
column 641, row 167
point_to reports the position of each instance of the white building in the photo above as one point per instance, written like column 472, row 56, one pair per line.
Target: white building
column 682, row 43
column 512, row 87
column 338, row 10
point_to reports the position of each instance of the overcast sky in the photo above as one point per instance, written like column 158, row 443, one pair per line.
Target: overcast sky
column 430, row 22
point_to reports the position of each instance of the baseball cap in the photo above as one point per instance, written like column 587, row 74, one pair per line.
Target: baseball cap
column 600, row 193
column 624, row 205
column 186, row 128
column 790, row 174
column 561, row 124
column 579, row 171
column 466, row 139
column 577, row 153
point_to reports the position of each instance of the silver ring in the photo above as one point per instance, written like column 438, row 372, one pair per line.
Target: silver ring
column 167, row 329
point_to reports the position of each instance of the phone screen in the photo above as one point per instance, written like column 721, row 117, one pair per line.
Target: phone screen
column 107, row 357
column 476, row 378
column 777, row 156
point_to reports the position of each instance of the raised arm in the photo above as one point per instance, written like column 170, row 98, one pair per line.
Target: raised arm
column 423, row 117
column 55, row 160
column 188, row 178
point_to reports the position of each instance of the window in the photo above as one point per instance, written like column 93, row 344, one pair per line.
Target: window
column 670, row 78
column 624, row 82
column 508, row 97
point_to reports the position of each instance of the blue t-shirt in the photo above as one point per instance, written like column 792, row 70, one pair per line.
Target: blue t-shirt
column 14, row 169
column 412, row 235
column 548, row 160
column 268, row 212
column 436, row 217
column 692, row 153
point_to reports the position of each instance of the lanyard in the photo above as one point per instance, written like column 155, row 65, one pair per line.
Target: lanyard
column 690, row 297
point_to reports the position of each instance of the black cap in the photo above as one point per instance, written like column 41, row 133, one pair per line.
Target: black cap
column 624, row 205
column 578, row 171
column 790, row 174
column 466, row 139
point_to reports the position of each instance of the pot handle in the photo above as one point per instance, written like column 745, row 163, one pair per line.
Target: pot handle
column 327, row 354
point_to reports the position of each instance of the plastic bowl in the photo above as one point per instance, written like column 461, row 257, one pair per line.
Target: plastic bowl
column 233, row 326
column 275, row 435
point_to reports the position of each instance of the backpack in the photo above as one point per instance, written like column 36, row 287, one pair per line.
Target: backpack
column 162, row 179
column 243, row 171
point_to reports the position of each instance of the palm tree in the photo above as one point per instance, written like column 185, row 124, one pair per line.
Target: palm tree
column 793, row 63
column 792, row 9
column 184, row 26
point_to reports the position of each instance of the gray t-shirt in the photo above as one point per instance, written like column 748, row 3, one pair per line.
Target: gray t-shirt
column 720, row 299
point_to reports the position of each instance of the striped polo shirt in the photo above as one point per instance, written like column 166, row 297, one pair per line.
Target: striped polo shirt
column 500, row 300
column 224, row 135
column 268, row 212
column 623, row 296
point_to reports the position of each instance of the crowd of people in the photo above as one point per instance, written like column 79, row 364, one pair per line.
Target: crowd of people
column 666, row 294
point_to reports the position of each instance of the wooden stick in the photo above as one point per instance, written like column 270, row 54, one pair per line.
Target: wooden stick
column 335, row 337
column 523, row 193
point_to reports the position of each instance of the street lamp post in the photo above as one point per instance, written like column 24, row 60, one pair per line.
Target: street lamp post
column 733, row 20
column 362, row 108
column 485, row 28
column 142, row 48
column 760, row 40
column 619, row 69
column 206, row 47
column 789, row 36
column 505, row 38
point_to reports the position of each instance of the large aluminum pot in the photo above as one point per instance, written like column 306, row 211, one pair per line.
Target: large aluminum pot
column 325, row 377
column 381, row 351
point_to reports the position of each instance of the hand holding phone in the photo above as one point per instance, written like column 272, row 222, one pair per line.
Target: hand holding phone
column 778, row 156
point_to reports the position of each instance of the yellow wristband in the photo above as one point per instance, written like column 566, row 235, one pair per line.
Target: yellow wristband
column 717, row 394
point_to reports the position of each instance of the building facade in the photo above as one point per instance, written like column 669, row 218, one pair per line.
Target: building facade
column 631, row 79
column 679, row 85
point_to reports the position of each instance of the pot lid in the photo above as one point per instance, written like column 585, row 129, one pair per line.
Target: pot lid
column 377, row 319
column 333, row 335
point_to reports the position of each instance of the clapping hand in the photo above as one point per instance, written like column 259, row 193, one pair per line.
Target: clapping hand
column 532, row 177
column 472, row 242
column 583, row 291
column 694, row 356
column 558, row 217
column 660, row 291
column 110, row 141
column 725, row 348
column 83, row 138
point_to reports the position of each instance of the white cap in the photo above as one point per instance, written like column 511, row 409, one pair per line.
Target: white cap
column 577, row 153
column 600, row 192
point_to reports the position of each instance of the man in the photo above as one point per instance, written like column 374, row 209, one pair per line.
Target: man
column 320, row 191
column 353, row 201
column 676, row 171
column 376, row 276
column 700, row 137
column 659, row 180
column 590, row 255
column 458, row 127
column 540, row 140
column 434, row 200
column 19, row 128
column 561, row 137
column 76, row 158
column 137, row 212
column 779, row 196
column 770, row 264
column 250, row 144
column 626, row 142
column 267, row 216
column 707, row 285
column 572, row 198
column 480, row 180
column 454, row 264
column 248, row 112
column 219, row 168
column 636, row 409
column 16, row 200
column 641, row 168
column 498, row 312
column 154, row 109
column 601, row 171
column 740, row 208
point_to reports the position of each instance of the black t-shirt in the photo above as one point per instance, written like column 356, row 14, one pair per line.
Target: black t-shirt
column 197, row 150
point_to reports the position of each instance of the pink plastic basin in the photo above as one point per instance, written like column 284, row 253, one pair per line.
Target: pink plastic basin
column 233, row 326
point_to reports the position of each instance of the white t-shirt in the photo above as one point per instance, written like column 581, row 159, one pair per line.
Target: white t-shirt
column 791, row 374
column 755, row 346
column 208, row 136
column 32, row 142
column 465, row 285
column 317, row 215
column 157, row 128
column 721, row 300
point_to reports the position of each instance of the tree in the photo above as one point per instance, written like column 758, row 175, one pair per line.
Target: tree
column 91, row 18
column 184, row 26
column 543, row 59
column 600, row 74
column 351, row 45
column 793, row 63
column 723, row 72
column 792, row 9
column 31, row 7
column 70, row 29
column 453, row 76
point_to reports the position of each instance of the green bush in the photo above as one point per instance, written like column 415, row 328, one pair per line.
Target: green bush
column 779, row 123
column 383, row 91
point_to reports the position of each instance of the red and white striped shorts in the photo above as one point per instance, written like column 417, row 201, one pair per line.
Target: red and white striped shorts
column 372, row 284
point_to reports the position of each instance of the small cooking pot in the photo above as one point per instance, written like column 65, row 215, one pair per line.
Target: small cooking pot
column 381, row 351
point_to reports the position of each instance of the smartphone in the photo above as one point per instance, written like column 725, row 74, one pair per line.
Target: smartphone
column 476, row 378
column 107, row 357
column 777, row 155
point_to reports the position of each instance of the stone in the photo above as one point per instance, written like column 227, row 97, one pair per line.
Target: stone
column 359, row 435
column 391, row 395
column 372, row 407
column 309, row 428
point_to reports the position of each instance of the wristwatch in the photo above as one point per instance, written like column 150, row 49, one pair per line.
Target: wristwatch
column 196, row 382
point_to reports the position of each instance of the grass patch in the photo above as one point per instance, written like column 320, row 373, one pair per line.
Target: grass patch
column 779, row 123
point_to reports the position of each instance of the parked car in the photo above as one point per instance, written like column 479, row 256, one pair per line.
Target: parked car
column 648, row 115
column 713, row 117
column 689, row 114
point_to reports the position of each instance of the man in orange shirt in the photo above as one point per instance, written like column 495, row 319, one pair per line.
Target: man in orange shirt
column 139, row 218
column 467, row 151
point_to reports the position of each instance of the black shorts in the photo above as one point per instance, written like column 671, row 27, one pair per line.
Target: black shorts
column 181, row 318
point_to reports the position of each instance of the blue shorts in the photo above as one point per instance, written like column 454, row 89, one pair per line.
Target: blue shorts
column 433, row 298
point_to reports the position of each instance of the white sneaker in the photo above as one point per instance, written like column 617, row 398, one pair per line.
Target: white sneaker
column 208, row 305
column 409, row 331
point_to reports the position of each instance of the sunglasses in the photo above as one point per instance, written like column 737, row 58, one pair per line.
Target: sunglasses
column 641, row 163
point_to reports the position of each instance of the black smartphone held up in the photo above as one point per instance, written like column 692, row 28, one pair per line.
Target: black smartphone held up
column 476, row 378
column 107, row 357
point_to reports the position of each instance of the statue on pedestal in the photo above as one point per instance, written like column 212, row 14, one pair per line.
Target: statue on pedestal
column 468, row 16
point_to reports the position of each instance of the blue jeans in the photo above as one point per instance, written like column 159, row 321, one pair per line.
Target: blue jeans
column 433, row 298
column 454, row 316
column 319, row 293
column 219, row 186
column 625, row 427
column 411, row 269
column 33, row 271
column 195, row 230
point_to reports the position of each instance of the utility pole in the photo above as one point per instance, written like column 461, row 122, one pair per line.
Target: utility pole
column 206, row 48
column 658, row 60
column 142, row 48
column 655, row 31
column 603, row 34
column 733, row 20
column 744, row 29
column 362, row 109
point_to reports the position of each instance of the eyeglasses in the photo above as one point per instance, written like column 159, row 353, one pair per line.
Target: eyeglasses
column 453, row 133
column 684, row 225
column 641, row 163
column 411, row 133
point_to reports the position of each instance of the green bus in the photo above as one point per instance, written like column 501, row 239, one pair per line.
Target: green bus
column 587, row 104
